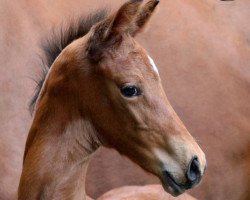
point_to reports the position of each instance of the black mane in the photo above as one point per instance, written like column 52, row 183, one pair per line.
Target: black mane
column 52, row 46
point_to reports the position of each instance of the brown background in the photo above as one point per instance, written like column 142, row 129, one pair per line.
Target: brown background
column 202, row 49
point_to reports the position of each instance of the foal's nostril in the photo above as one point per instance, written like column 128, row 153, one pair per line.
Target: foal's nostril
column 193, row 172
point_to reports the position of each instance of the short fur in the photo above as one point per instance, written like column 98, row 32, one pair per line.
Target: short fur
column 77, row 105
column 52, row 46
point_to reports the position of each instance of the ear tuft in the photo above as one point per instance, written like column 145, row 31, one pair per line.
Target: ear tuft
column 157, row 2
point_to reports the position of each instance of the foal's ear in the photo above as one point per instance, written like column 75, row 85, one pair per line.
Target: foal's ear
column 143, row 17
column 125, row 16
column 112, row 28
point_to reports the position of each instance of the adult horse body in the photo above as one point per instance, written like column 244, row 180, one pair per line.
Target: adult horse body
column 207, row 49
column 149, row 192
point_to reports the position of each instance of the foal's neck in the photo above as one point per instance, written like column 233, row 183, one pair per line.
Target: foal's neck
column 57, row 154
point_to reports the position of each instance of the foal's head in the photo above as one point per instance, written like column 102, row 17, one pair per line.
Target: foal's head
column 117, row 87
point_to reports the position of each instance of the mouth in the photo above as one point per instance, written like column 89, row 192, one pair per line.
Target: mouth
column 170, row 184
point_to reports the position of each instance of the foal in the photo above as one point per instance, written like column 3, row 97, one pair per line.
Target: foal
column 104, row 89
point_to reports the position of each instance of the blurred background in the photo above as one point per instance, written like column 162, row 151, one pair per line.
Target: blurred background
column 202, row 50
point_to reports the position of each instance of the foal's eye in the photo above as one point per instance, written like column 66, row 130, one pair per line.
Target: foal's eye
column 130, row 91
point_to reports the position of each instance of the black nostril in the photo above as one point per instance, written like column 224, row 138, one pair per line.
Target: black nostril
column 193, row 172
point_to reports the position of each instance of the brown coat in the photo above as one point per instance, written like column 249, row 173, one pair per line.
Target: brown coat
column 202, row 50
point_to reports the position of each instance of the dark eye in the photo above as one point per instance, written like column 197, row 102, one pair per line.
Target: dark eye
column 130, row 91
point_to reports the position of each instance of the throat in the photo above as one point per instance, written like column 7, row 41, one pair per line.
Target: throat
column 70, row 184
column 78, row 142
column 56, row 159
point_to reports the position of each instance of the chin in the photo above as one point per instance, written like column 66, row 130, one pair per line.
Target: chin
column 171, row 186
column 173, row 191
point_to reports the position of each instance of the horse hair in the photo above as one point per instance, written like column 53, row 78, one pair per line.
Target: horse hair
column 53, row 45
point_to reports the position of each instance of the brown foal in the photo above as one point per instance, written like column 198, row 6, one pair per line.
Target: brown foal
column 104, row 89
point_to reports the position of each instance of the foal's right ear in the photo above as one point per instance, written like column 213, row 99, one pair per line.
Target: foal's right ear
column 110, row 30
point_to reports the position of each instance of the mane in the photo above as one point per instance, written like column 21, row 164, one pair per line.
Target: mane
column 53, row 45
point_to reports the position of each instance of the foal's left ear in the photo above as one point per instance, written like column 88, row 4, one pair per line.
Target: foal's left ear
column 143, row 17
column 125, row 16
column 111, row 29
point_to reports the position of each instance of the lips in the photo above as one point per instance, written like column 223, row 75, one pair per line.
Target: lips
column 177, row 188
